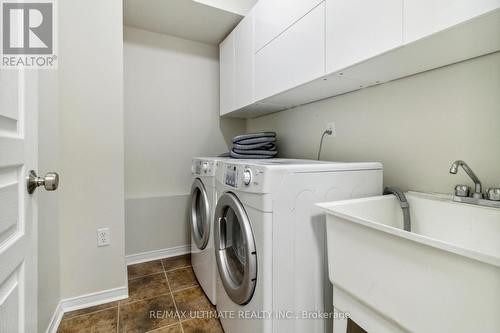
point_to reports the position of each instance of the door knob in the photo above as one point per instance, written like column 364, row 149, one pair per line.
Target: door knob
column 50, row 181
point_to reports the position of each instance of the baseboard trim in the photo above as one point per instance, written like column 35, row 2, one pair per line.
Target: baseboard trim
column 85, row 301
column 56, row 319
column 157, row 254
column 110, row 295
column 97, row 298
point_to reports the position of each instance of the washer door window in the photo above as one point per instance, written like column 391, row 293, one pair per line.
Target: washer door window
column 235, row 249
column 200, row 214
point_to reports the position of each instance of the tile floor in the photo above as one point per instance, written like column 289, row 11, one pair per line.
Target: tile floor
column 164, row 297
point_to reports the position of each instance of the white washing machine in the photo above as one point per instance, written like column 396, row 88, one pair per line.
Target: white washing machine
column 203, row 198
column 270, row 240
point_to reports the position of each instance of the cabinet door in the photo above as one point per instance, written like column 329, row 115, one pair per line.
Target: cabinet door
column 272, row 17
column 357, row 30
column 227, row 67
column 244, row 62
column 425, row 17
column 295, row 57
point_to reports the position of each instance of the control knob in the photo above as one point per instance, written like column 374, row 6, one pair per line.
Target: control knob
column 204, row 167
column 247, row 176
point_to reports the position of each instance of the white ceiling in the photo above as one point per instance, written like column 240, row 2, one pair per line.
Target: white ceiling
column 185, row 18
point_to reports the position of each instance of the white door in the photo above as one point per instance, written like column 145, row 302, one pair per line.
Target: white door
column 18, row 229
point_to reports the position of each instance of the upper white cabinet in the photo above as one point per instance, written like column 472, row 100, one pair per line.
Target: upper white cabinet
column 244, row 62
column 294, row 57
column 286, row 53
column 227, row 74
column 272, row 17
column 236, row 57
column 425, row 17
column 357, row 30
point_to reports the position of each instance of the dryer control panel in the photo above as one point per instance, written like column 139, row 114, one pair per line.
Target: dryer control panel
column 203, row 167
column 241, row 176
column 231, row 176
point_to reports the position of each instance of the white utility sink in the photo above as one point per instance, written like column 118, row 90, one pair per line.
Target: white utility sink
column 443, row 276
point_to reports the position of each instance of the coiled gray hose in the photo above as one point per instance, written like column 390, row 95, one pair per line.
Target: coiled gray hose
column 266, row 145
column 242, row 137
column 254, row 146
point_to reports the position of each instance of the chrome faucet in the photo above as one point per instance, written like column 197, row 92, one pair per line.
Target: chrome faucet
column 462, row 191
column 478, row 191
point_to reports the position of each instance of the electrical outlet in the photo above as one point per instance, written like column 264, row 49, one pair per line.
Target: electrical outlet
column 103, row 237
column 331, row 127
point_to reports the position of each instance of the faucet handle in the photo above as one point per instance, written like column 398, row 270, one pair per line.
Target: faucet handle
column 462, row 191
column 493, row 194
